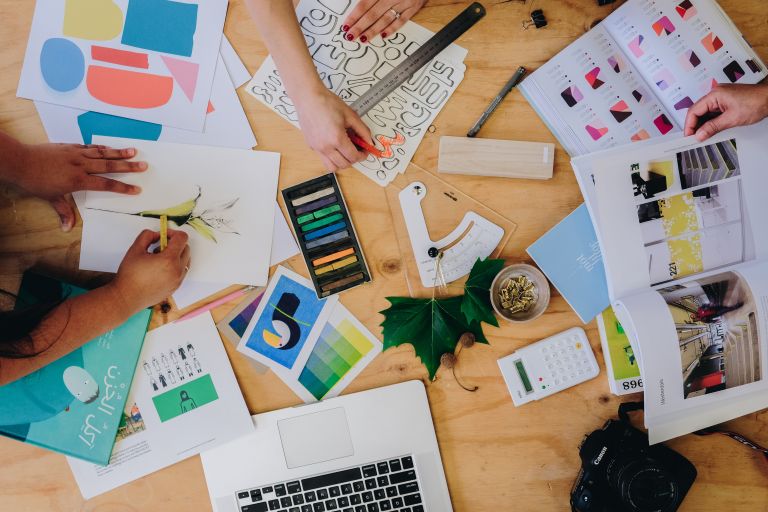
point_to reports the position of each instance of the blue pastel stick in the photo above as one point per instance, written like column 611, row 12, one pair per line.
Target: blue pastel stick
column 324, row 231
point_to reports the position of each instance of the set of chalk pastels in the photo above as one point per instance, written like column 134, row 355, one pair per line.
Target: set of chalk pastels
column 327, row 238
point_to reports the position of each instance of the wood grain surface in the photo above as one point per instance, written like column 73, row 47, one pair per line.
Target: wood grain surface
column 496, row 457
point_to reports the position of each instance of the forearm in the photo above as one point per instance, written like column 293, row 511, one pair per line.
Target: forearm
column 279, row 28
column 69, row 326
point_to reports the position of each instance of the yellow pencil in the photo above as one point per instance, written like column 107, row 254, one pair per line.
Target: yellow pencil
column 163, row 232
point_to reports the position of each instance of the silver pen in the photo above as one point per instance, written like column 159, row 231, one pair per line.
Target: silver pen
column 495, row 103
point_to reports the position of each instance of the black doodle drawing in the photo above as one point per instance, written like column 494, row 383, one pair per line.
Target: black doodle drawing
column 349, row 69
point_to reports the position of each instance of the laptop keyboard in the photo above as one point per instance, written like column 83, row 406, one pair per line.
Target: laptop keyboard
column 385, row 486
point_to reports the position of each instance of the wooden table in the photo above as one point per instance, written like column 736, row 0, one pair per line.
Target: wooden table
column 496, row 457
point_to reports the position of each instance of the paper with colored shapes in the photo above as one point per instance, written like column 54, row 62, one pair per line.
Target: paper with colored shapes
column 663, row 26
column 184, row 399
column 349, row 68
column 228, row 214
column 686, row 10
column 226, row 126
column 288, row 313
column 147, row 60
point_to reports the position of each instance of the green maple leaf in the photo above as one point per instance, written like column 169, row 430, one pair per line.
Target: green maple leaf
column 432, row 326
column 476, row 304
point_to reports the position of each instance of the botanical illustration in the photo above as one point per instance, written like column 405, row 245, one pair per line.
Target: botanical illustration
column 207, row 222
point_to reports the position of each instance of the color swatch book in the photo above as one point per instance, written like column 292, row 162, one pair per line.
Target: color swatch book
column 151, row 60
column 349, row 68
column 184, row 399
column 569, row 254
column 635, row 74
column 316, row 346
column 74, row 404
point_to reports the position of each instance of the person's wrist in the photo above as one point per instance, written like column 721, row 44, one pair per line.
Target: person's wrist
column 309, row 94
column 122, row 298
column 17, row 164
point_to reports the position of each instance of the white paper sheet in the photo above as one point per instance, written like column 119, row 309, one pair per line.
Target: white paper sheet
column 283, row 247
column 59, row 64
column 298, row 335
column 236, row 190
column 196, row 406
column 225, row 126
column 235, row 66
column 400, row 121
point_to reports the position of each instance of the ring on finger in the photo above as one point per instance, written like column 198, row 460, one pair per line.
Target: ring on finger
column 395, row 13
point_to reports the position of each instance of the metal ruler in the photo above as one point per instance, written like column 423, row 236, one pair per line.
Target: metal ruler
column 419, row 58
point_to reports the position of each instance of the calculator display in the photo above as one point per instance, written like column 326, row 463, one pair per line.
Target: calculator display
column 523, row 376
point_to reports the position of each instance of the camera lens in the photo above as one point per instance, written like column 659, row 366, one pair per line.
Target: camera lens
column 649, row 488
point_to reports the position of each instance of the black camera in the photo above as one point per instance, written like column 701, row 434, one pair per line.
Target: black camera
column 621, row 473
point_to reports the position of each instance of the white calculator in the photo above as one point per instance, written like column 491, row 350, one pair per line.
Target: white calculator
column 548, row 366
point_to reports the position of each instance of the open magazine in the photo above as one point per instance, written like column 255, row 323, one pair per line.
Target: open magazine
column 680, row 224
column 635, row 74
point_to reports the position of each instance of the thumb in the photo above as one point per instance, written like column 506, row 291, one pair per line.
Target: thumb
column 65, row 211
column 716, row 124
column 143, row 241
column 359, row 127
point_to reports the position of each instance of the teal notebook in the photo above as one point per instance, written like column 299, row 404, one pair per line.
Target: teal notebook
column 73, row 405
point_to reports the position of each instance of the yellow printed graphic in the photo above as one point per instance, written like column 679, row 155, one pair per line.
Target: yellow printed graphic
column 685, row 256
column 355, row 337
column 664, row 167
column 97, row 20
column 678, row 215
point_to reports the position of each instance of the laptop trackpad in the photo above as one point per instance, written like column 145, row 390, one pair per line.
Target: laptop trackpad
column 315, row 437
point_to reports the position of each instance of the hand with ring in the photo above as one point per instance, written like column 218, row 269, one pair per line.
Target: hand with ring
column 371, row 18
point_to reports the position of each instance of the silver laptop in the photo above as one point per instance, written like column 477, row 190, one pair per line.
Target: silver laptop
column 365, row 452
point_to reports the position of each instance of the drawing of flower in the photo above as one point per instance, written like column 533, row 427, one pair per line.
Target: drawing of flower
column 206, row 223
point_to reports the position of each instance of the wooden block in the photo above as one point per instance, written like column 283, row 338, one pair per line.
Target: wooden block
column 500, row 158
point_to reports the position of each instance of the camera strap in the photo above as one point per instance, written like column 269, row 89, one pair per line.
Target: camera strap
column 626, row 407
column 736, row 437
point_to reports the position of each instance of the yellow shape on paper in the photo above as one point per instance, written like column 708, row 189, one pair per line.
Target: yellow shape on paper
column 356, row 338
column 664, row 167
column 96, row 20
column 272, row 339
column 678, row 215
column 685, row 255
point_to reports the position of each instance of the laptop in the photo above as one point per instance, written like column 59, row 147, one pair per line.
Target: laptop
column 365, row 452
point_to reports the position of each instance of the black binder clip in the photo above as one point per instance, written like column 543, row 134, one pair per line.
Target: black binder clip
column 537, row 19
column 601, row 3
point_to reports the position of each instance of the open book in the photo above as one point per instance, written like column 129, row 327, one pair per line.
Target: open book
column 680, row 224
column 635, row 74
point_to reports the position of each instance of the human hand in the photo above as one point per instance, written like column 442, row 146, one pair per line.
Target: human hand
column 370, row 18
column 50, row 171
column 736, row 104
column 324, row 120
column 145, row 279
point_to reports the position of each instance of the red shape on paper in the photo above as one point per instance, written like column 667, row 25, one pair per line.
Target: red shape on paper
column 128, row 88
column 122, row 57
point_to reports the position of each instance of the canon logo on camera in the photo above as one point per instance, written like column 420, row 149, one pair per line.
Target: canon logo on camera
column 600, row 456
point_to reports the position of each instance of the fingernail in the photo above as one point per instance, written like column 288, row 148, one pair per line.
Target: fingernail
column 142, row 166
column 349, row 37
column 383, row 35
column 363, row 39
column 345, row 28
column 135, row 189
column 130, row 151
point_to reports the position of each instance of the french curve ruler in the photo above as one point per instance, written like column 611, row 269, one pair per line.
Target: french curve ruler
column 452, row 257
column 419, row 58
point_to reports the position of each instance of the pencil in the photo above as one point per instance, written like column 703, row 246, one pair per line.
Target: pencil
column 216, row 303
column 165, row 306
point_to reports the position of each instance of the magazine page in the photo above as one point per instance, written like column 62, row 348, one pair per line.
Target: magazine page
column 683, row 48
column 704, row 343
column 619, row 354
column 592, row 97
column 184, row 399
column 678, row 208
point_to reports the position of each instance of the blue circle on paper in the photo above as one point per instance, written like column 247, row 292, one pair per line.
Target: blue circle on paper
column 62, row 64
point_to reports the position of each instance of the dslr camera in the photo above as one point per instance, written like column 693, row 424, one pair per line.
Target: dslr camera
column 621, row 473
